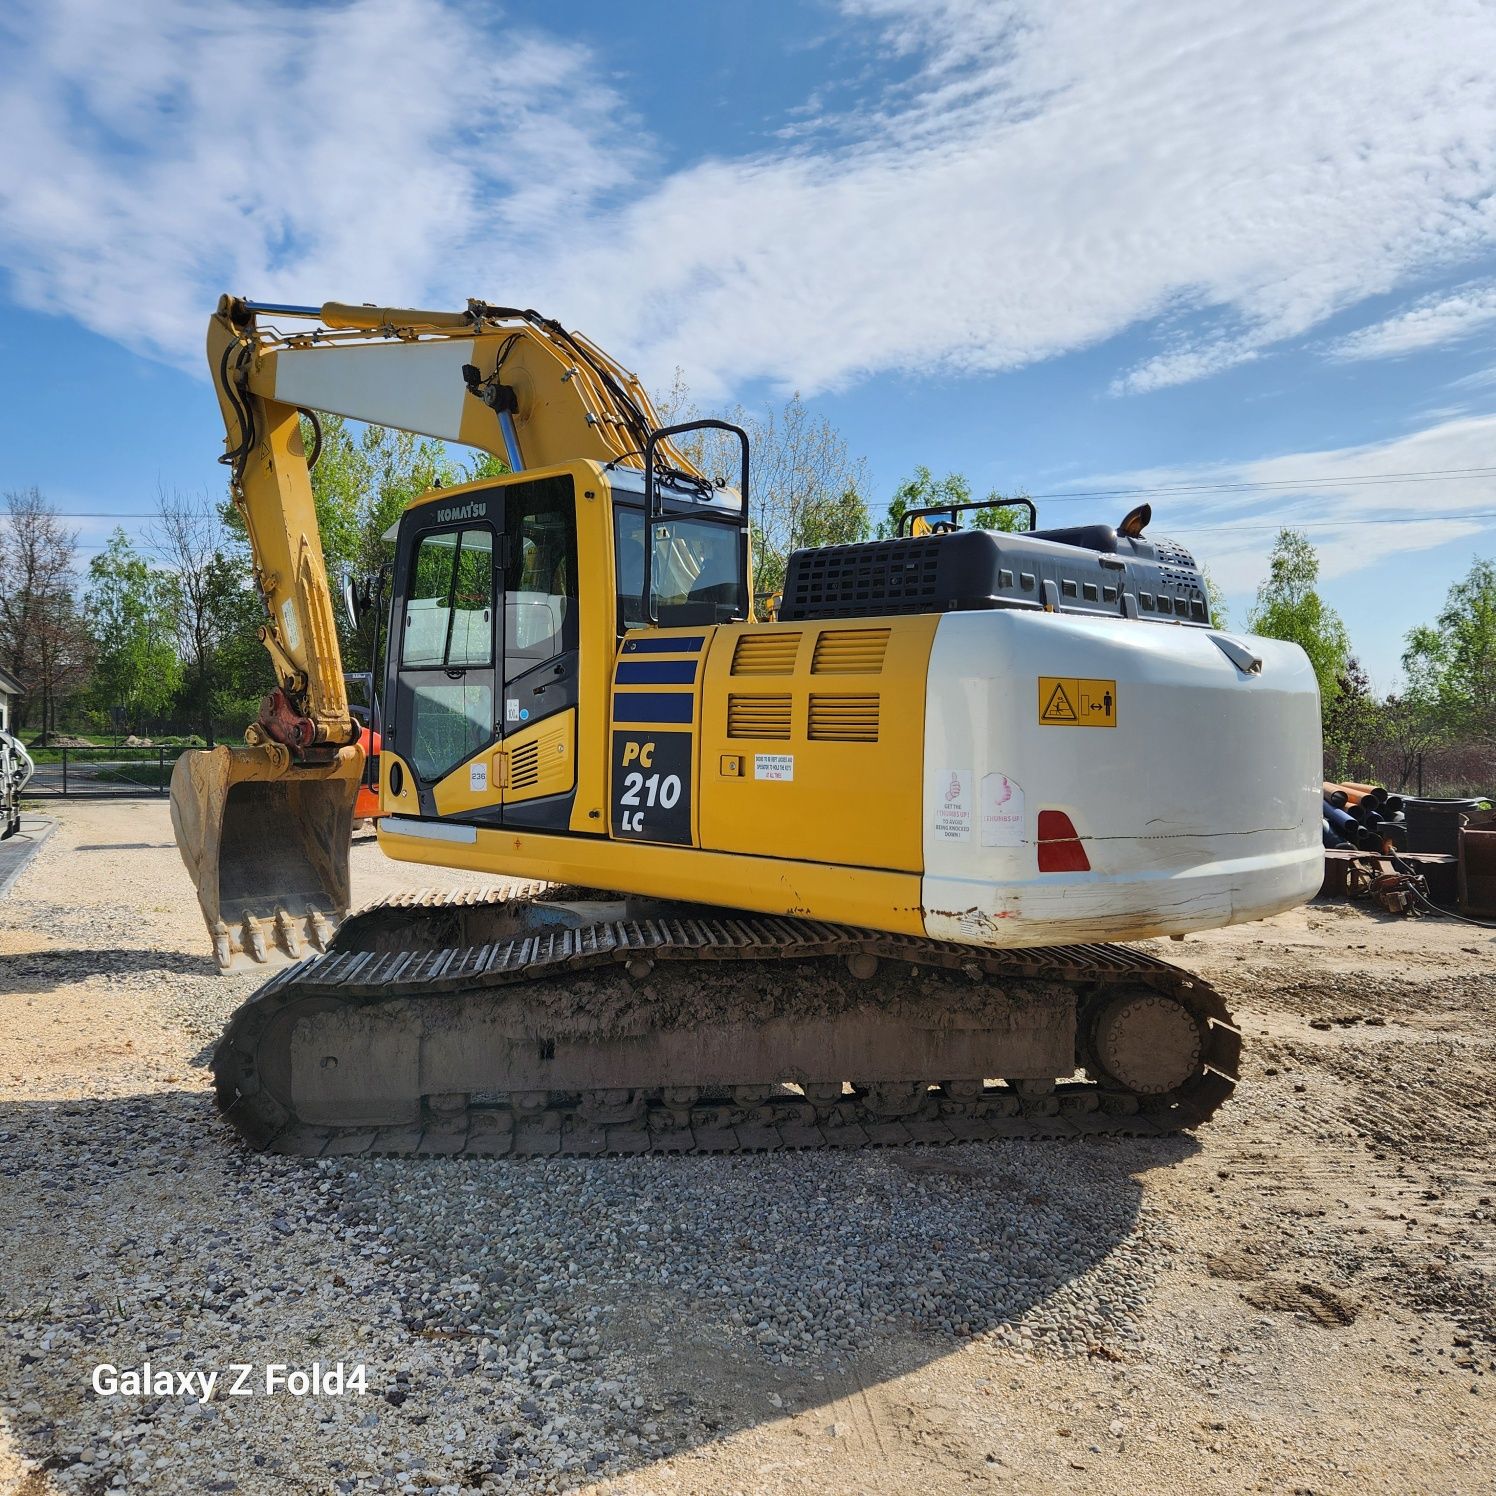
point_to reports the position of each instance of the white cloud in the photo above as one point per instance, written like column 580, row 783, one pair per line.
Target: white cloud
column 1427, row 323
column 161, row 153
column 1184, row 364
column 1229, row 512
column 1048, row 177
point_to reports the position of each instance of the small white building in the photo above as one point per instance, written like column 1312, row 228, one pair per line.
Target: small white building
column 10, row 689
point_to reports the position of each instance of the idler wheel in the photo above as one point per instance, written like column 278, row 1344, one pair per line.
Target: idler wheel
column 1148, row 1042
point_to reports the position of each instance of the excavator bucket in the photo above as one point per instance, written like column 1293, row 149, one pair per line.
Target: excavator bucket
column 266, row 844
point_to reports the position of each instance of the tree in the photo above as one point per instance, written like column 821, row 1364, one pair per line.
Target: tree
column 922, row 490
column 42, row 640
column 1351, row 721
column 362, row 481
column 1220, row 617
column 1288, row 607
column 132, row 616
column 1451, row 664
column 1410, row 726
column 189, row 537
column 807, row 489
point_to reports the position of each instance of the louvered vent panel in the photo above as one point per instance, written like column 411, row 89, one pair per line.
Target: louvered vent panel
column 524, row 766
column 850, row 652
column 766, row 654
column 758, row 716
column 844, row 719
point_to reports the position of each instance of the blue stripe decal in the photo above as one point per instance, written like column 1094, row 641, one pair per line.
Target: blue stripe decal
column 656, row 673
column 690, row 644
column 653, row 706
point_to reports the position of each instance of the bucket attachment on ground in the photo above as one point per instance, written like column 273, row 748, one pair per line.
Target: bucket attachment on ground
column 266, row 844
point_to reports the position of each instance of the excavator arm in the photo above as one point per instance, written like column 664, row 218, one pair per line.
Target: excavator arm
column 264, row 829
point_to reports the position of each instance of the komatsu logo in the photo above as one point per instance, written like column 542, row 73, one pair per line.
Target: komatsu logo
column 474, row 509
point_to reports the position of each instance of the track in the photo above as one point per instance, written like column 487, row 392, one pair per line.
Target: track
column 595, row 997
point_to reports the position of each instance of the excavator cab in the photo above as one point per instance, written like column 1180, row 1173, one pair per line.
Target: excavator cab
column 510, row 599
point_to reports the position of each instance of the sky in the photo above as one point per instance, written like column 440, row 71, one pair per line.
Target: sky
column 1239, row 257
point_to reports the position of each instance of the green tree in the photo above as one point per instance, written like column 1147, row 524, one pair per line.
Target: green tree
column 1220, row 617
column 1451, row 663
column 807, row 489
column 365, row 477
column 1409, row 725
column 131, row 611
column 922, row 490
column 362, row 481
column 1289, row 607
column 1351, row 722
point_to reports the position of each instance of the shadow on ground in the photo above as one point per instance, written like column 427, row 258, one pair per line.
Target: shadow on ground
column 503, row 1296
column 122, row 846
column 44, row 971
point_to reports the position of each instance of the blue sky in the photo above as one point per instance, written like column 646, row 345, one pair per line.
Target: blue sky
column 1244, row 254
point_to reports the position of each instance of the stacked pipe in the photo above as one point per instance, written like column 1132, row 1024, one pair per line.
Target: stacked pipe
column 1363, row 816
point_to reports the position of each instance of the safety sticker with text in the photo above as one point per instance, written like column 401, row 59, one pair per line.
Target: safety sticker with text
column 1069, row 701
column 952, row 805
column 1002, row 811
column 774, row 766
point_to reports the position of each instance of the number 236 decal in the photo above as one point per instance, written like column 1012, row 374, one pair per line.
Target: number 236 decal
column 652, row 787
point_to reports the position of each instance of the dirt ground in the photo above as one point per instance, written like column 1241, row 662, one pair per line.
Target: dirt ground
column 1321, row 1315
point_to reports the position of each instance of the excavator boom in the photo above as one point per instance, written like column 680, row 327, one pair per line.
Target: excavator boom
column 264, row 829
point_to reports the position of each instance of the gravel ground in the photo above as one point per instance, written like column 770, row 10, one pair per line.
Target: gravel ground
column 1301, row 1299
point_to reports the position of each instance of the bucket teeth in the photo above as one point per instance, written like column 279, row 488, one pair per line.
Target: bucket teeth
column 254, row 940
column 285, row 935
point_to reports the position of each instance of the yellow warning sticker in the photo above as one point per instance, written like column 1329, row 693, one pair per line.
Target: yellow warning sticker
column 1066, row 701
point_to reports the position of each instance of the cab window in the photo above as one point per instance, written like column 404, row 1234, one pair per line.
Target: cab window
column 449, row 608
column 540, row 574
column 695, row 565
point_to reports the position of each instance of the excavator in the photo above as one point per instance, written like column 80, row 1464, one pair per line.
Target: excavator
column 854, row 874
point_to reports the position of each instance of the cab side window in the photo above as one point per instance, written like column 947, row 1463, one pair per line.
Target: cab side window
column 540, row 575
column 449, row 608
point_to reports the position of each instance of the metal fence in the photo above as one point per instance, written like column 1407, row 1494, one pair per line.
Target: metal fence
column 95, row 772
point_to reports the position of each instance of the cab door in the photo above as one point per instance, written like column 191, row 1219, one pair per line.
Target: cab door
column 540, row 658
column 486, row 669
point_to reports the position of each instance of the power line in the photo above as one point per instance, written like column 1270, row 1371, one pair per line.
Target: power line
column 1429, row 475
column 1344, row 524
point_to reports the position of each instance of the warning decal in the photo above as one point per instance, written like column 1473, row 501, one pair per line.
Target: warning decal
column 953, row 805
column 1002, row 811
column 1068, row 701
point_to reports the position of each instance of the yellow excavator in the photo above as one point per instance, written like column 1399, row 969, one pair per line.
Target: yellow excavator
column 851, row 875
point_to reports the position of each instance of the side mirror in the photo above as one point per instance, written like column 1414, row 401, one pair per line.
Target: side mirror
column 358, row 599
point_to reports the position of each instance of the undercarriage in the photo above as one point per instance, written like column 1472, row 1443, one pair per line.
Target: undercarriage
column 551, row 1021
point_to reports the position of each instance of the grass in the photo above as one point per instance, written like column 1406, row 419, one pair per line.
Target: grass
column 154, row 775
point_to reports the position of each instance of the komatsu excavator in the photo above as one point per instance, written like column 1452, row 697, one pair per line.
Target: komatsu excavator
column 839, row 877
